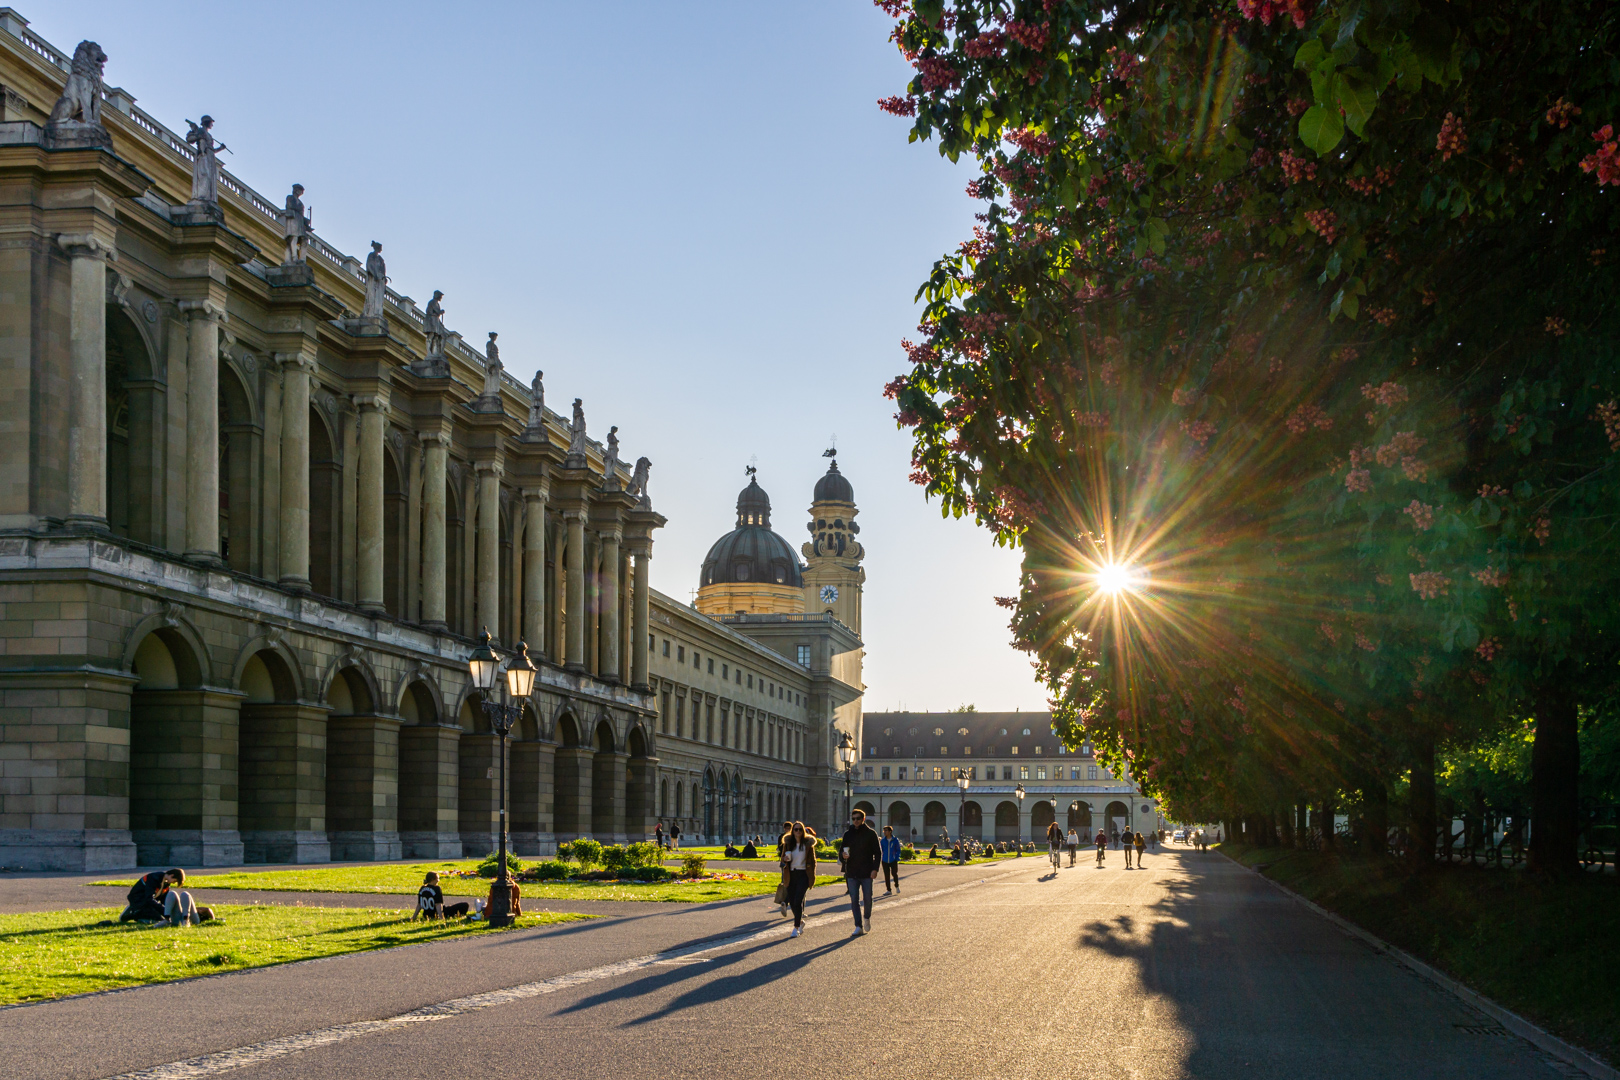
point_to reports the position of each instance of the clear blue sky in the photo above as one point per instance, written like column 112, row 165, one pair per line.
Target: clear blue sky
column 692, row 215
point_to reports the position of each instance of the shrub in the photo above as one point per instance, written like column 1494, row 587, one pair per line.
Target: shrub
column 551, row 870
column 565, row 851
column 651, row 873
column 644, row 854
column 908, row 853
column 692, row 864
column 615, row 857
column 488, row 868
column 587, row 853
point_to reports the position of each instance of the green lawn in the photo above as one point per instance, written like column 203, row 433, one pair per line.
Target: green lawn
column 403, row 879
column 55, row 953
column 1549, row 950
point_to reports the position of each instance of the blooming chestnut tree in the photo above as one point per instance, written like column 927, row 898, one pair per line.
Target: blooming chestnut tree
column 1304, row 313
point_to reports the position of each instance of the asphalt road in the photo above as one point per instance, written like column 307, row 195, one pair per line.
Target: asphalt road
column 1193, row 967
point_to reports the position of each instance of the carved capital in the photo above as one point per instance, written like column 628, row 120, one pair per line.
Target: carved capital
column 86, row 246
column 370, row 403
column 434, row 438
column 487, row 467
column 202, row 309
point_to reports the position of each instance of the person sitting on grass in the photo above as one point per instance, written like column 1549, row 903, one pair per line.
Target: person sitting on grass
column 430, row 901
column 731, row 852
column 749, row 851
column 153, row 898
column 516, row 906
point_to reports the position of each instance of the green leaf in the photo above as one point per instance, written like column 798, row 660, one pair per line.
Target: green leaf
column 1356, row 97
column 1349, row 18
column 1309, row 54
column 1321, row 129
column 1157, row 230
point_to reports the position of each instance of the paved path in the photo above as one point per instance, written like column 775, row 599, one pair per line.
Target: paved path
column 1193, row 967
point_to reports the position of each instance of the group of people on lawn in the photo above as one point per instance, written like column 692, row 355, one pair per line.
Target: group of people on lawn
column 156, row 899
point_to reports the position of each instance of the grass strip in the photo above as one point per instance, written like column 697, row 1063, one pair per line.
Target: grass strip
column 1549, row 949
column 403, row 879
column 55, row 953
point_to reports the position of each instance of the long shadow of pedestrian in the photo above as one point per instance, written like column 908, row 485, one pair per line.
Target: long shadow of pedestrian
column 716, row 988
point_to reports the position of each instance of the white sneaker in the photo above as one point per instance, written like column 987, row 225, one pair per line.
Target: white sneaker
column 867, row 929
column 797, row 930
column 859, row 930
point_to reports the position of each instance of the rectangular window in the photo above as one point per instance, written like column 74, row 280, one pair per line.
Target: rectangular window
column 1023, row 772
column 944, row 750
column 1040, row 772
column 886, row 773
column 1015, row 751
column 750, row 682
column 711, row 665
column 971, row 772
column 680, row 654
column 867, row 775
column 739, row 676
column 1006, row 772
column 902, row 772
column 1074, row 772
column 708, row 727
column 937, row 774
column 680, row 718
column 1037, row 749
column 804, row 656
column 1091, row 772
column 652, row 642
column 696, row 661
column 666, row 646
column 725, row 671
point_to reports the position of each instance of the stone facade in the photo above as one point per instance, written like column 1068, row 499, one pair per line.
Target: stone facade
column 247, row 537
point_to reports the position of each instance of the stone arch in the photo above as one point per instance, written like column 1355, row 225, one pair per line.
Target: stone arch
column 972, row 820
column 1041, row 815
column 708, row 804
column 1117, row 815
column 867, row 808
column 736, row 821
column 281, row 666
column 1006, row 821
column 240, row 434
column 899, row 814
column 457, row 498
column 395, row 521
column 933, row 819
column 1080, row 817
column 567, row 728
column 607, row 783
column 136, row 404
column 574, row 775
column 419, row 703
column 533, row 764
column 183, row 747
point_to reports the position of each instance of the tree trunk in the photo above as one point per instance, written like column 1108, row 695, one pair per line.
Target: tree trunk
column 1324, row 819
column 1555, row 771
column 1423, row 827
column 1375, row 818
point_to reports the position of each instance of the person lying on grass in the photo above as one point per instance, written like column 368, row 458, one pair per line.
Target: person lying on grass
column 430, row 901
column 154, row 899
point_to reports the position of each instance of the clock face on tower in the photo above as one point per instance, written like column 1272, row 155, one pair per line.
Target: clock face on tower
column 829, row 594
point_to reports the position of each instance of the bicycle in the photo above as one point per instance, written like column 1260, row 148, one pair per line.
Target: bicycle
column 1056, row 855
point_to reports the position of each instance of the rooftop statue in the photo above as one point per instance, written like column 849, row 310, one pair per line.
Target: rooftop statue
column 492, row 368
column 433, row 325
column 610, row 460
column 537, row 402
column 376, row 283
column 76, row 117
column 205, row 166
column 576, row 436
column 296, row 226
column 638, row 483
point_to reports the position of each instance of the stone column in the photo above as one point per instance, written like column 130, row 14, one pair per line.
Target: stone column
column 295, row 374
column 370, row 522
column 282, row 783
column 489, row 548
column 435, row 453
column 87, row 388
column 576, row 589
column 362, row 786
column 642, row 620
column 611, row 669
column 202, row 430
column 534, row 570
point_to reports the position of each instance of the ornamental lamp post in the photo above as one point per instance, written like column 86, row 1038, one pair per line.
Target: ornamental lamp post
column 961, row 817
column 484, row 665
column 1018, row 793
column 846, row 754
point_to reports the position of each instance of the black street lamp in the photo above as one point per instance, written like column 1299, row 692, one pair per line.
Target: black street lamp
column 1018, row 793
column 520, row 673
column 961, row 816
column 846, row 754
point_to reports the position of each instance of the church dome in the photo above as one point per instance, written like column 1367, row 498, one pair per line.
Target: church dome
column 752, row 552
column 833, row 487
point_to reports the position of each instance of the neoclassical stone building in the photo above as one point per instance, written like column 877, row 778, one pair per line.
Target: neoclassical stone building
column 910, row 761
column 256, row 505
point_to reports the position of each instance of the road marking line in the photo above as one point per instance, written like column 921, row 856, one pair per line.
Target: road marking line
column 243, row 1056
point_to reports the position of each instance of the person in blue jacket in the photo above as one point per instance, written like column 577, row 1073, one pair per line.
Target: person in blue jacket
column 890, row 849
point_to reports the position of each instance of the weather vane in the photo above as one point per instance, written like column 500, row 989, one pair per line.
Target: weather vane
column 832, row 451
column 753, row 463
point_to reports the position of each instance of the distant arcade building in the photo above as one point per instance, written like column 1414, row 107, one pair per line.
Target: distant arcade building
column 906, row 777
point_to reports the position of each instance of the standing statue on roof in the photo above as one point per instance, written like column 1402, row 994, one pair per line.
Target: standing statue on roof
column 296, row 226
column 492, row 369
column 537, row 402
column 610, row 460
column 433, row 325
column 205, row 165
column 576, row 436
column 376, row 283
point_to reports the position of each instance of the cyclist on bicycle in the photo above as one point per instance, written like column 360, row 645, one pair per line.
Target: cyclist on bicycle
column 1054, row 845
column 1072, row 842
column 1102, row 846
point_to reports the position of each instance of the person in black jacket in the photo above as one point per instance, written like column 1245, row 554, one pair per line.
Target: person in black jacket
column 862, row 856
column 147, row 895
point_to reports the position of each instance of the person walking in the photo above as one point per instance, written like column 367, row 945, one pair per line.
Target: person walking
column 658, row 835
column 782, row 886
column 674, row 837
column 1141, row 846
column 799, row 865
column 862, row 856
column 1125, row 845
column 1102, row 846
column 890, row 848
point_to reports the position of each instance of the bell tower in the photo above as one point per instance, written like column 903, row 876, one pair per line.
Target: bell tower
column 834, row 576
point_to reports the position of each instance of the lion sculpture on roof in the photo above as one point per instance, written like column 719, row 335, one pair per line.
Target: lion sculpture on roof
column 81, row 98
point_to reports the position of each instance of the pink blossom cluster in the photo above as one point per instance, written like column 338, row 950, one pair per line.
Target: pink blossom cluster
column 1422, row 515
column 1126, row 65
column 1358, row 481
column 1492, row 491
column 893, row 388
column 982, row 188
column 1383, row 316
column 938, row 74
column 1382, row 177
column 1403, row 445
column 1609, row 414
column 1267, row 10
column 1429, row 584
column 990, row 43
column 1324, row 223
column 893, row 8
column 1557, row 326
column 1308, row 416
column 1488, row 648
column 1491, row 577
column 1386, row 394
column 1541, row 528
column 898, row 106
column 1453, row 137
column 920, row 354
column 1605, row 160
column 1261, row 157
column 1561, row 113
column 1296, row 168
column 1029, row 35
column 1297, row 106
column 1365, row 644
column 1183, row 397
column 1032, row 142
column 1199, row 431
